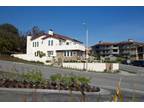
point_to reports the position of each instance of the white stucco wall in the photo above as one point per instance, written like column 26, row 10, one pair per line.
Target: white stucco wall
column 43, row 46
column 115, row 66
column 29, row 58
column 100, row 67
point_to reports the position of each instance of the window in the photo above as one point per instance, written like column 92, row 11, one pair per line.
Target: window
column 33, row 44
column 48, row 42
column 49, row 53
column 60, row 42
column 51, row 42
column 37, row 44
column 114, row 45
column 74, row 53
column 64, row 53
column 115, row 50
column 70, row 53
column 67, row 53
column 67, row 43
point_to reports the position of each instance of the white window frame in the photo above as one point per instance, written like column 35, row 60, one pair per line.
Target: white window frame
column 51, row 42
column 68, row 53
column 33, row 44
column 50, row 53
column 37, row 44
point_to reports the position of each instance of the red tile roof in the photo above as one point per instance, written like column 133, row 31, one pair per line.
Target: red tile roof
column 120, row 43
column 35, row 37
column 125, row 42
column 57, row 36
column 106, row 43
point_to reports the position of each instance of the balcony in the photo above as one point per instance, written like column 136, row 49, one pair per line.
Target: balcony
column 115, row 52
column 71, row 47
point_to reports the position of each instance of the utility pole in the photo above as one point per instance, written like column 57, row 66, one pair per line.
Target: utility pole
column 86, row 50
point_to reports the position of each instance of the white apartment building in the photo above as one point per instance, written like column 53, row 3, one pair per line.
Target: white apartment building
column 52, row 46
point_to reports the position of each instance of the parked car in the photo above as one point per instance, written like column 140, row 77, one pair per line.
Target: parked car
column 127, row 62
column 138, row 63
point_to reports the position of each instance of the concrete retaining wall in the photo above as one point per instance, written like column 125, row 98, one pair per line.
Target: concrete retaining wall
column 30, row 58
column 21, row 56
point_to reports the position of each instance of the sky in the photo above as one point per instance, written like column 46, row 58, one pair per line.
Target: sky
column 104, row 23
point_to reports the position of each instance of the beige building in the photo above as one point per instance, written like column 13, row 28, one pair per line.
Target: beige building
column 127, row 49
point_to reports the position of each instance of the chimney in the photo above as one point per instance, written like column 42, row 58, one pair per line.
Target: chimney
column 50, row 32
column 130, row 40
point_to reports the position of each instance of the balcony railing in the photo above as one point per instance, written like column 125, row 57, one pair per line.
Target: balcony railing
column 68, row 47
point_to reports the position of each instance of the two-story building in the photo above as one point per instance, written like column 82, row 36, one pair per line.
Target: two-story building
column 53, row 46
column 105, row 50
column 128, row 49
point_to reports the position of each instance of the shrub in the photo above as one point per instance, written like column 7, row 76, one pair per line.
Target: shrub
column 83, row 80
column 36, row 62
column 67, row 81
column 48, row 61
column 41, row 54
column 56, row 77
column 34, row 76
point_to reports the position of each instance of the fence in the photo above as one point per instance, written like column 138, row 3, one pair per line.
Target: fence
column 100, row 67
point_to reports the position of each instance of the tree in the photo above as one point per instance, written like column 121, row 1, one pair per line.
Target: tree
column 9, row 38
column 23, row 41
column 13, row 41
column 9, row 28
column 36, row 31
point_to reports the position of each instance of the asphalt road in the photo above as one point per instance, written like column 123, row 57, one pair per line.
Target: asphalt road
column 130, row 83
column 11, row 96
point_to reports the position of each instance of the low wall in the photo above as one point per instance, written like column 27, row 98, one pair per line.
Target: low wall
column 29, row 58
column 100, row 67
column 115, row 66
column 21, row 56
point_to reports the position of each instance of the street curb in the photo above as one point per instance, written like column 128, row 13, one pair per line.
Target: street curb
column 123, row 89
column 102, row 91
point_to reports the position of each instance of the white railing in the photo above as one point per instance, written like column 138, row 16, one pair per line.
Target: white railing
column 70, row 47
